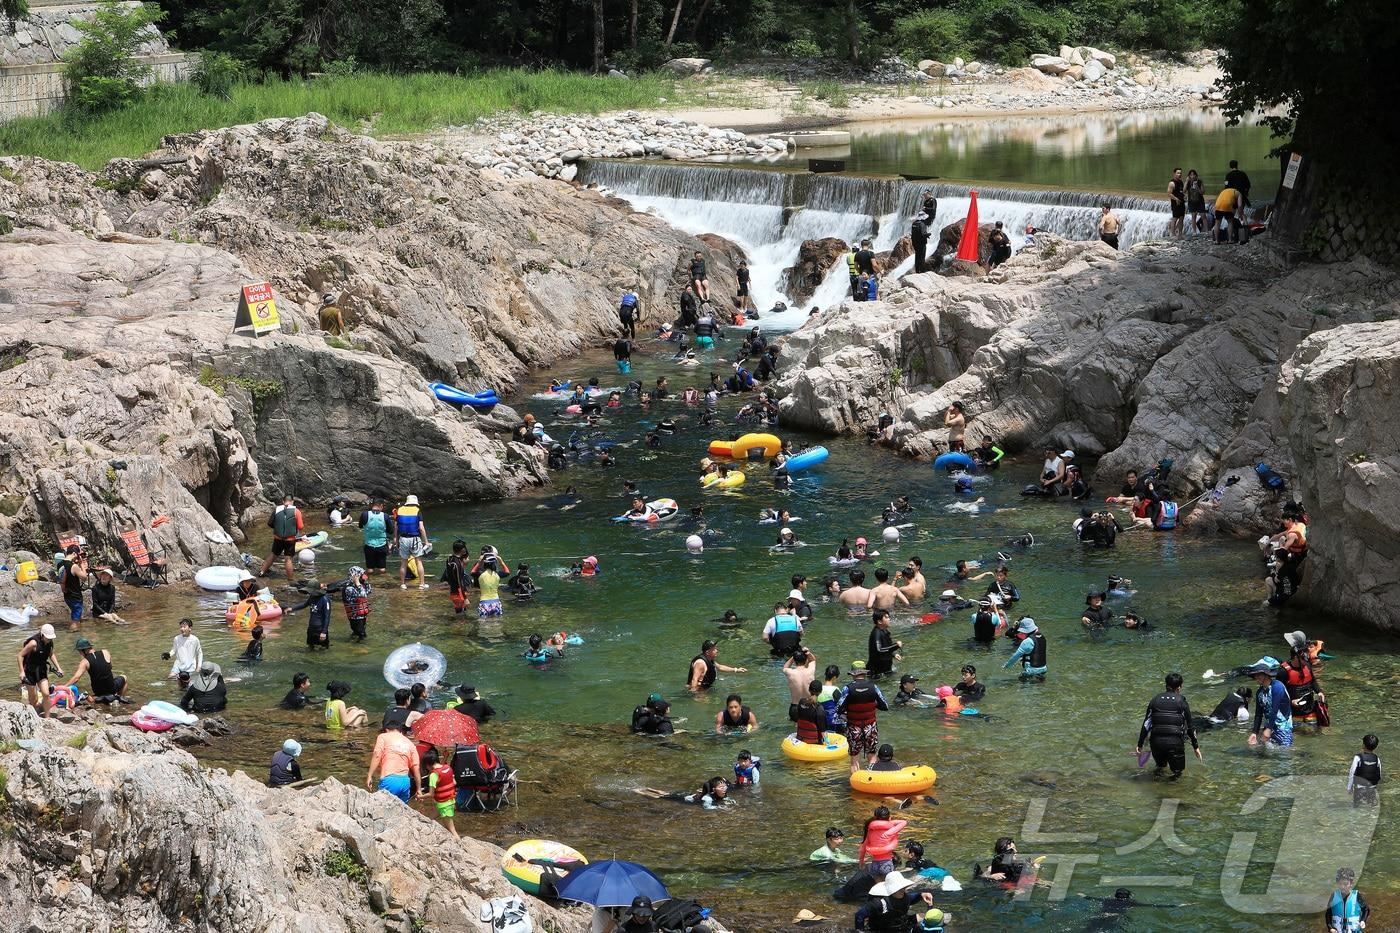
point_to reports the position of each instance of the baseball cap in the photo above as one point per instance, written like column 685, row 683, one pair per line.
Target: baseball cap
column 1067, row 453
column 908, row 679
column 47, row 631
column 641, row 906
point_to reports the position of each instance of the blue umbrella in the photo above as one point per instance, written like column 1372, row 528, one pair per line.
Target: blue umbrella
column 611, row 884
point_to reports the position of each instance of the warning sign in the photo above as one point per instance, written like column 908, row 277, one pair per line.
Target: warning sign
column 257, row 309
column 1290, row 176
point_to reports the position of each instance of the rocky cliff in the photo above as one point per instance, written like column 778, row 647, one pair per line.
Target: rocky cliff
column 118, row 830
column 1165, row 351
column 135, row 400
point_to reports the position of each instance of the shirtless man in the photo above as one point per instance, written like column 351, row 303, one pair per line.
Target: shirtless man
column 884, row 595
column 915, row 586
column 955, row 420
column 857, row 595
column 800, row 670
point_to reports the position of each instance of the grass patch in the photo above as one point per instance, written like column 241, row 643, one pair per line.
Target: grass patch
column 342, row 863
column 78, row 739
column 388, row 104
column 833, row 93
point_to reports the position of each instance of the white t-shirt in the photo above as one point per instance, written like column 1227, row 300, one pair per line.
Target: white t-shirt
column 772, row 624
column 1053, row 465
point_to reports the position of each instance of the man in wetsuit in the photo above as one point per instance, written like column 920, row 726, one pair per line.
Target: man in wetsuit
column 1168, row 722
column 628, row 312
column 690, row 308
column 469, row 703
column 883, row 648
column 652, row 717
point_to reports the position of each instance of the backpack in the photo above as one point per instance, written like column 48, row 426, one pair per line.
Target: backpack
column 679, row 915
column 1269, row 479
column 506, row 915
column 1165, row 519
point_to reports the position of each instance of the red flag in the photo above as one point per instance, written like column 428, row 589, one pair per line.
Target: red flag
column 967, row 247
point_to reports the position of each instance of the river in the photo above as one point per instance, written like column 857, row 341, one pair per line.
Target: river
column 1061, row 749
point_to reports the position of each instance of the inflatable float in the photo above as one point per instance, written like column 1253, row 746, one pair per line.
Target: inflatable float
column 316, row 540
column 267, row 612
column 805, row 460
column 455, row 396
column 219, row 579
column 414, row 664
column 833, row 749
column 18, row 616
column 953, row 460
column 147, row 723
column 519, row 870
column 733, row 480
column 661, row 509
column 561, row 387
column 747, row 447
column 910, row 780
column 159, row 709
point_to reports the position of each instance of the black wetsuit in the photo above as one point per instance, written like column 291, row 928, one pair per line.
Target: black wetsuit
column 104, row 598
column 294, row 699
column 1168, row 722
column 970, row 693
column 100, row 677
column 743, row 719
column 36, row 662
column 984, row 628
column 647, row 721
column 1097, row 618
column 477, row 709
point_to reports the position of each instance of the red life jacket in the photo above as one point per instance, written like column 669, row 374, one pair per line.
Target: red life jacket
column 861, row 704
column 807, row 731
column 446, row 784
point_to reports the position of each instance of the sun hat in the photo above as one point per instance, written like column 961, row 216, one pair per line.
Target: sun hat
column 292, row 747
column 411, row 500
column 1296, row 640
column 82, row 644
column 806, row 916
column 894, row 883
column 950, row 594
column 1026, row 626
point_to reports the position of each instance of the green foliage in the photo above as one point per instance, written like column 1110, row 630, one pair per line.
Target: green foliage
column 217, row 73
column 78, row 739
column 392, row 104
column 342, row 863
column 931, row 33
column 6, row 225
column 102, row 69
column 833, row 92
column 14, row 11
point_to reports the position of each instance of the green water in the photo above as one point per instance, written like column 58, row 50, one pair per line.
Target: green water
column 1066, row 743
column 1127, row 152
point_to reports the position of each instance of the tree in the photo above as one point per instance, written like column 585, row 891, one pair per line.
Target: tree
column 102, row 69
column 13, row 11
column 599, row 36
column 675, row 21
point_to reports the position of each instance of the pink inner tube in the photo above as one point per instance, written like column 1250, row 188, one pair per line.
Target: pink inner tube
column 264, row 615
column 149, row 723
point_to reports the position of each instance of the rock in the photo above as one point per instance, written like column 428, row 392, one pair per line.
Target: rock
column 933, row 69
column 1075, row 56
column 925, row 64
column 686, row 66
column 614, row 73
column 1347, row 466
column 889, row 260
column 958, row 63
column 1050, row 64
column 671, row 152
column 951, row 235
column 814, row 259
column 1065, row 52
column 568, row 173
column 1107, row 59
column 1093, row 70
column 1144, row 77
column 141, row 837
column 1074, row 72
column 973, row 68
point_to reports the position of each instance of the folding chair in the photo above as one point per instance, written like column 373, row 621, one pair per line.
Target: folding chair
column 146, row 566
column 495, row 797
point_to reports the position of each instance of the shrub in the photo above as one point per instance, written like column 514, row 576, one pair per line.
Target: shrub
column 217, row 73
column 802, row 48
column 930, row 33
column 102, row 69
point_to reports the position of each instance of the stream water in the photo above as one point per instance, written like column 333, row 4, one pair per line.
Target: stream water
column 1050, row 764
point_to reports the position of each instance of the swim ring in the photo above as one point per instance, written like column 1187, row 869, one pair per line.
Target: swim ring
column 561, row 387
column 267, row 612
column 67, row 697
column 543, row 656
column 149, row 723
column 526, row 876
column 218, row 579
column 908, row 780
column 745, row 446
column 414, row 664
column 661, row 509
column 455, row 396
column 734, row 480
column 833, row 749
column 954, row 460
column 835, row 561
column 806, row 459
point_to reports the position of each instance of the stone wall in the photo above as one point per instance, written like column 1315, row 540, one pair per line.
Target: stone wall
column 31, row 57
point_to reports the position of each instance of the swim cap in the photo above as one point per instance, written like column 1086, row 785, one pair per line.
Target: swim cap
column 694, row 544
column 944, row 691
column 891, row 534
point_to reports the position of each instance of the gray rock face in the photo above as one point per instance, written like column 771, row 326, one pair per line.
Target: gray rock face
column 129, row 832
column 1338, row 394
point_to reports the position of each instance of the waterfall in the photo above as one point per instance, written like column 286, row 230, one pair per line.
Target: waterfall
column 770, row 213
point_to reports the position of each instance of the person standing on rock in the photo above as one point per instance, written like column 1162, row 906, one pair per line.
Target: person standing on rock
column 286, row 524
column 918, row 238
column 1196, row 201
column 1109, row 225
column 35, row 658
column 955, row 420
column 410, row 537
column 699, row 280
column 374, row 522
column 1229, row 205
column 854, row 270
column 330, row 318
column 690, row 308
column 865, row 258
column 1176, row 194
column 628, row 312
column 743, row 299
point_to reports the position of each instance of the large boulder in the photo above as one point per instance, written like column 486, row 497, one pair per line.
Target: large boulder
column 1050, row 64
column 1346, row 454
column 1107, row 59
column 951, row 235
column 814, row 260
column 686, row 66
column 1093, row 70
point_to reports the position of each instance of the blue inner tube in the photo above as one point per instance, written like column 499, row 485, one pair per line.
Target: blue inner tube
column 808, row 458
column 954, row 460
column 561, row 386
column 455, row 396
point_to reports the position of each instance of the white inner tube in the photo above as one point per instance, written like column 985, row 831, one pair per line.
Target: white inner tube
column 414, row 664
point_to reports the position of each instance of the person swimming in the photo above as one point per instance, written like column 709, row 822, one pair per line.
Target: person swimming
column 787, row 538
column 712, row 795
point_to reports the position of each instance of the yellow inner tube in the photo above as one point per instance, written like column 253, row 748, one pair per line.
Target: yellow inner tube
column 908, row 780
column 526, row 876
column 734, row 480
column 833, row 749
column 770, row 444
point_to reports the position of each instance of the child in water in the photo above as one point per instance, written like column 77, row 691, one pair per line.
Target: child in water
column 746, row 768
column 831, row 852
column 254, row 650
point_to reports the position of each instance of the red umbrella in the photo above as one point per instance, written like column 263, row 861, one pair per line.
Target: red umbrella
column 967, row 246
column 446, row 727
